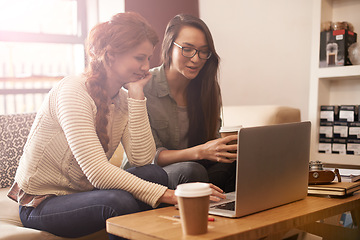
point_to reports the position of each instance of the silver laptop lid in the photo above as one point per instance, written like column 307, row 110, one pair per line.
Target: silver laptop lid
column 272, row 167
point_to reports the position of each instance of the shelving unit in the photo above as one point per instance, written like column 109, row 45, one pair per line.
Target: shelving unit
column 332, row 85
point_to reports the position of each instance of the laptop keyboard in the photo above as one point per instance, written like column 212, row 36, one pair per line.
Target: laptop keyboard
column 226, row 206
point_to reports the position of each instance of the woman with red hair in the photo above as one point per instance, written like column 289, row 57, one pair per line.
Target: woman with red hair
column 64, row 183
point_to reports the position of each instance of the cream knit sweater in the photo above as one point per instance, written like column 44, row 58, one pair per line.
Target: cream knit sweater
column 63, row 154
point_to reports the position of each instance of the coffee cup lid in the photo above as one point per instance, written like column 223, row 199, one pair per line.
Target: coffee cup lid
column 230, row 128
column 196, row 189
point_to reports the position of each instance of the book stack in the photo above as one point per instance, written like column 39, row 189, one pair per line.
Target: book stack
column 334, row 188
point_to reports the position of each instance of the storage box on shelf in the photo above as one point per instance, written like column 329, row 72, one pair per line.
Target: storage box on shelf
column 334, row 46
column 332, row 85
column 339, row 130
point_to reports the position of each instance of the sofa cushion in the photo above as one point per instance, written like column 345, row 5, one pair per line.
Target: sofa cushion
column 10, row 224
column 14, row 130
column 11, row 227
column 9, row 209
column 11, row 232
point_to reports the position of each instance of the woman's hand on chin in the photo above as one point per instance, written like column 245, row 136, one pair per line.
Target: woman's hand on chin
column 136, row 89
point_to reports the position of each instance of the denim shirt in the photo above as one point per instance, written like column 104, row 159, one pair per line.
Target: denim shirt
column 162, row 111
column 163, row 114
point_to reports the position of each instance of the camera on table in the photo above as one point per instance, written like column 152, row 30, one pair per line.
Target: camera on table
column 317, row 174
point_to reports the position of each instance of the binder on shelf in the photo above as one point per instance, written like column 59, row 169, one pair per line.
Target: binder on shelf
column 354, row 130
column 325, row 145
column 348, row 113
column 339, row 146
column 353, row 147
column 326, row 130
column 329, row 113
column 340, row 129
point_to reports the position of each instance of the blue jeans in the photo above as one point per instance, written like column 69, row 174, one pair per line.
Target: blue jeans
column 80, row 214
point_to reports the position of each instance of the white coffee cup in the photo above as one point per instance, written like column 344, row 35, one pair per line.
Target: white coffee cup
column 230, row 130
column 193, row 201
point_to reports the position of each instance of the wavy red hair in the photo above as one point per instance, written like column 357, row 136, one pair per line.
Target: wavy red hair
column 122, row 33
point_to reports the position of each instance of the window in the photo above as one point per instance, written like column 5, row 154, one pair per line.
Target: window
column 42, row 37
column 40, row 42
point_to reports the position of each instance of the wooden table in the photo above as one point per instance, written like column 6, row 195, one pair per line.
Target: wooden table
column 269, row 224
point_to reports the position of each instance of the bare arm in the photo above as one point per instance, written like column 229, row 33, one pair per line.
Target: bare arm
column 215, row 150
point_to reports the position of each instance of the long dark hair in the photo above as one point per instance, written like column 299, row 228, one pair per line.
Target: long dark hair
column 203, row 92
column 122, row 33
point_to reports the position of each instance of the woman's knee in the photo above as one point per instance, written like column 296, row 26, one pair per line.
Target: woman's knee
column 191, row 171
column 151, row 172
column 196, row 171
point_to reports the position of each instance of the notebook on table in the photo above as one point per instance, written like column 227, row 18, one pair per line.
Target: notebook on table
column 334, row 188
column 272, row 169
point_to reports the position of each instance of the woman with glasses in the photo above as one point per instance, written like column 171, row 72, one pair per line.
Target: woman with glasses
column 65, row 184
column 184, row 105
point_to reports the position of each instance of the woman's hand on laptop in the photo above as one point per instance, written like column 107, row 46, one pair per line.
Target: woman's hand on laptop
column 217, row 193
column 219, row 150
column 170, row 198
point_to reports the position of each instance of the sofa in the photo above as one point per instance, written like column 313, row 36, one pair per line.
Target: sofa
column 14, row 129
column 259, row 115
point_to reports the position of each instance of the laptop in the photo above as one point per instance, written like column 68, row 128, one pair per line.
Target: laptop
column 272, row 169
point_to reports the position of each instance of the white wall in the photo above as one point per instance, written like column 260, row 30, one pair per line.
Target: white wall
column 264, row 48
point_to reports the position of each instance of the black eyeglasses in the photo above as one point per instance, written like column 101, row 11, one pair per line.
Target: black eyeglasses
column 191, row 52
